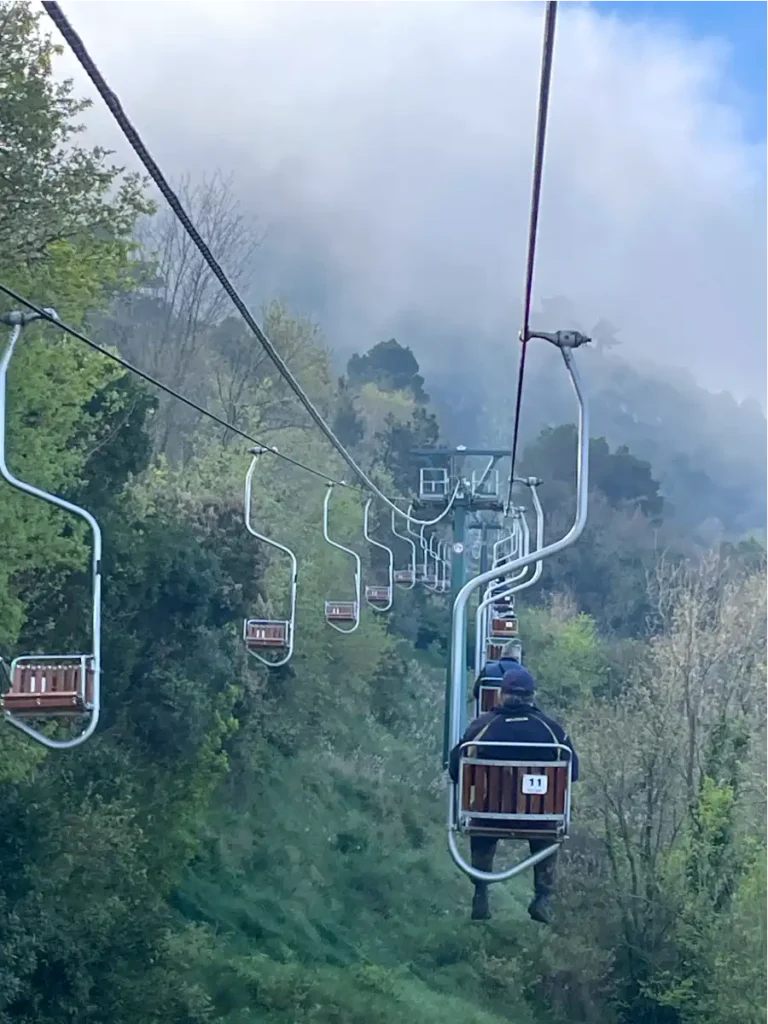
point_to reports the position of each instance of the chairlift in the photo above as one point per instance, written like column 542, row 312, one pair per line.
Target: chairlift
column 405, row 578
column 488, row 696
column 516, row 797
column 274, row 635
column 56, row 686
column 340, row 613
column 511, row 799
column 379, row 597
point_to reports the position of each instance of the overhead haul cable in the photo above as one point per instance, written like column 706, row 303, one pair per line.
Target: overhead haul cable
column 75, row 43
column 538, row 169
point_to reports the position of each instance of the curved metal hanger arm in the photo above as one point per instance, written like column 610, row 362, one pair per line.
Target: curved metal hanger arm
column 279, row 547
column 17, row 321
column 390, row 559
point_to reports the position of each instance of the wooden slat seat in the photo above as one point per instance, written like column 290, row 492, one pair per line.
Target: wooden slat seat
column 49, row 687
column 488, row 697
column 265, row 634
column 493, row 650
column 404, row 576
column 504, row 628
column 341, row 611
column 378, row 595
column 492, row 798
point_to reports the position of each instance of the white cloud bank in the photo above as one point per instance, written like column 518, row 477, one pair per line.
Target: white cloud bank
column 393, row 142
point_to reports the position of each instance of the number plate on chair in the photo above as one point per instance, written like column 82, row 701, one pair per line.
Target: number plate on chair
column 535, row 785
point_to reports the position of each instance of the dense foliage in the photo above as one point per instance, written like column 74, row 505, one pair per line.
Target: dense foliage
column 243, row 846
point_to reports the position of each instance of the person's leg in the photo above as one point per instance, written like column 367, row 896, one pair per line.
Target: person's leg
column 544, row 875
column 483, row 850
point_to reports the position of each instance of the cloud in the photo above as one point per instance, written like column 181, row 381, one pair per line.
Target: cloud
column 387, row 149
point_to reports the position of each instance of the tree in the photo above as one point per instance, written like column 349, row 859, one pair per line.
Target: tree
column 165, row 321
column 391, row 367
column 66, row 214
column 671, row 791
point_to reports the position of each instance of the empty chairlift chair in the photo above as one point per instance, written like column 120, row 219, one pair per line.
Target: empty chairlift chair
column 343, row 616
column 56, row 686
column 270, row 641
column 404, row 578
column 377, row 596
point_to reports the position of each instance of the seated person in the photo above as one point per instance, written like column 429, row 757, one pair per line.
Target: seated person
column 516, row 718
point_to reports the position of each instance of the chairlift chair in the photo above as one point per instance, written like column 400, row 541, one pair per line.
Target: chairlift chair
column 511, row 799
column 56, row 686
column 379, row 597
column 504, row 628
column 495, row 796
column 340, row 613
column 493, row 649
column 275, row 636
column 488, row 696
column 405, row 578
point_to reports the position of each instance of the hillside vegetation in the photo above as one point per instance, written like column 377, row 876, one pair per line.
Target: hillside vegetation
column 244, row 846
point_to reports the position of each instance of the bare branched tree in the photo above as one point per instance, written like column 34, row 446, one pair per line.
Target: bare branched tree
column 165, row 325
column 692, row 722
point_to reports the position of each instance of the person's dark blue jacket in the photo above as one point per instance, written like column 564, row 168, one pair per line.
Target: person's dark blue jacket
column 518, row 720
column 495, row 670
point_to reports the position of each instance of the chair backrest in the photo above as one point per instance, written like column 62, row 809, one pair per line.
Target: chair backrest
column 489, row 695
column 515, row 795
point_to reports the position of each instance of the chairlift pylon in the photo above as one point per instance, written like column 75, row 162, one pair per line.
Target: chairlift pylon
column 52, row 687
column 276, row 635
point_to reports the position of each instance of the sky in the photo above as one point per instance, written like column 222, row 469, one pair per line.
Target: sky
column 386, row 149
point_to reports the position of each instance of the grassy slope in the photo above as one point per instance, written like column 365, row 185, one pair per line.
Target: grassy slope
column 338, row 879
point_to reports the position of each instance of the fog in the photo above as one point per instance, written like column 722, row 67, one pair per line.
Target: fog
column 387, row 151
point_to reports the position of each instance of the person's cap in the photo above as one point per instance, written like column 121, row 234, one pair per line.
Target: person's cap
column 518, row 680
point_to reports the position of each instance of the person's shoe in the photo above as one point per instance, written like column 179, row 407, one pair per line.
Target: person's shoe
column 540, row 908
column 480, row 909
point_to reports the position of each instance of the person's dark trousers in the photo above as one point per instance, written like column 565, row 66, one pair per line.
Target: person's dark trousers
column 483, row 850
